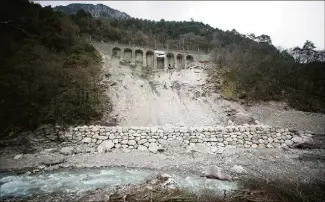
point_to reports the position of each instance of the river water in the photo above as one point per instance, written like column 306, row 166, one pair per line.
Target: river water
column 80, row 180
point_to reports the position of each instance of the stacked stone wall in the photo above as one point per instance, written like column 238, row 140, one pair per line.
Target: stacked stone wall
column 153, row 138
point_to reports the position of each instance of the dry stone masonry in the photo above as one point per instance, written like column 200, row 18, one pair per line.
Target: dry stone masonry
column 104, row 139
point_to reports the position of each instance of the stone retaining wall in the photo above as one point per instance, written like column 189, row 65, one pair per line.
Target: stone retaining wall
column 152, row 138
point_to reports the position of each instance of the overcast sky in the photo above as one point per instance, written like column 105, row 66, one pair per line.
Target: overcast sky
column 288, row 23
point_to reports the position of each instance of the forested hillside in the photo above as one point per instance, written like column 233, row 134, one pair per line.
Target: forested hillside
column 50, row 73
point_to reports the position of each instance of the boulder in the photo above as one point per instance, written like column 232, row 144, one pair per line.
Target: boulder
column 132, row 142
column 153, row 147
column 53, row 161
column 297, row 139
column 241, row 119
column 142, row 148
column 82, row 149
column 66, row 150
column 102, row 137
column 217, row 150
column 50, row 150
column 200, row 147
column 215, row 172
column 288, row 142
column 86, row 140
column 142, row 141
column 18, row 156
column 105, row 146
column 238, row 169
column 230, row 123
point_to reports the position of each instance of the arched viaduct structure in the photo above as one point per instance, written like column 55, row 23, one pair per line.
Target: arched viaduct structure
column 151, row 58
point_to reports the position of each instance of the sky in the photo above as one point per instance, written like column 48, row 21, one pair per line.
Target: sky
column 288, row 23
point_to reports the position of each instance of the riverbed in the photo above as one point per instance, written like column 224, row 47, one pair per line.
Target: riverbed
column 81, row 180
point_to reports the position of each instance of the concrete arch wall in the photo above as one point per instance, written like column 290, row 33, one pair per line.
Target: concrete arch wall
column 132, row 55
column 161, row 62
column 170, row 60
column 150, row 58
column 116, row 52
column 189, row 59
column 127, row 54
column 138, row 56
column 180, row 61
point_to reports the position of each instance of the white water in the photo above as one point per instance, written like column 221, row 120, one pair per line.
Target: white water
column 12, row 185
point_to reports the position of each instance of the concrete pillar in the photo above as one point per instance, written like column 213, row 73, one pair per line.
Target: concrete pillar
column 144, row 58
column 133, row 56
column 110, row 50
column 165, row 62
column 175, row 58
column 154, row 60
column 122, row 53
column 132, row 62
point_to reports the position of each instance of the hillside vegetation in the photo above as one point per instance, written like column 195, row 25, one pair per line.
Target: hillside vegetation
column 50, row 73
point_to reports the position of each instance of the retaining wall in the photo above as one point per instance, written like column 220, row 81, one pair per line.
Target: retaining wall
column 142, row 138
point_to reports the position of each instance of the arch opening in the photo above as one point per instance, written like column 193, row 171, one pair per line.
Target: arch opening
column 127, row 55
column 160, row 62
column 180, row 61
column 149, row 59
column 138, row 56
column 189, row 59
column 116, row 52
column 170, row 61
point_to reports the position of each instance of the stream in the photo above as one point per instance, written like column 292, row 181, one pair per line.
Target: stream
column 81, row 180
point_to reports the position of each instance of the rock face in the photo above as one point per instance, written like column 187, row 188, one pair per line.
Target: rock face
column 105, row 146
column 96, row 11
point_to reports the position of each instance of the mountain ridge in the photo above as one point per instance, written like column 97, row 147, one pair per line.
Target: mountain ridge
column 97, row 11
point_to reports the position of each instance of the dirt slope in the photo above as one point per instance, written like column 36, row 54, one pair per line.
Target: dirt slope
column 183, row 98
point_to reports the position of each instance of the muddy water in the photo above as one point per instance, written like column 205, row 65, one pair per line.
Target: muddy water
column 76, row 181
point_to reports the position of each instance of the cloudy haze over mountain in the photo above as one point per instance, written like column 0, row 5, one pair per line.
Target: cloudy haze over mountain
column 288, row 23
